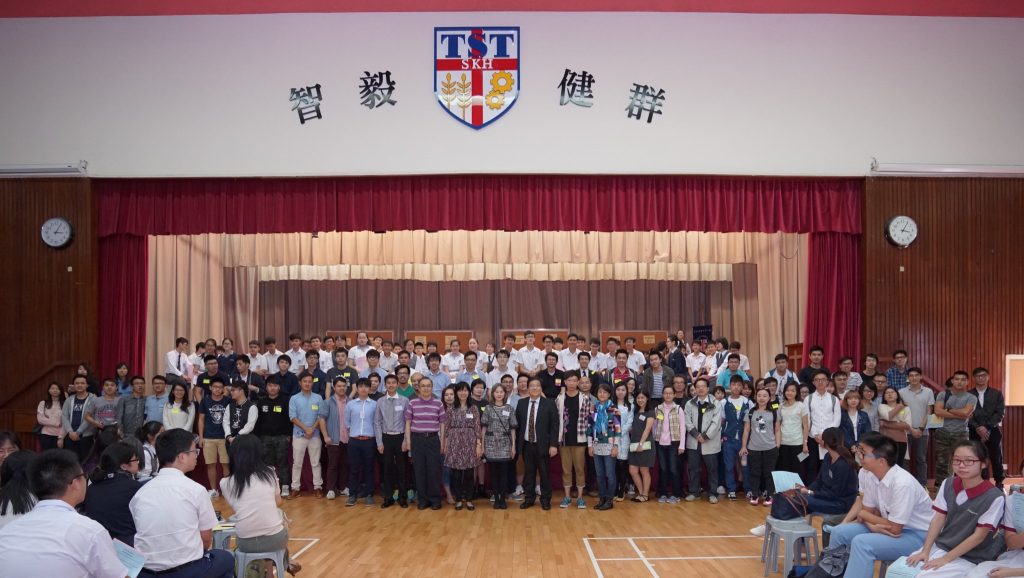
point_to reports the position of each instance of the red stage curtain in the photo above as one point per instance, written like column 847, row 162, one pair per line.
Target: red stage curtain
column 474, row 202
column 122, row 302
column 833, row 318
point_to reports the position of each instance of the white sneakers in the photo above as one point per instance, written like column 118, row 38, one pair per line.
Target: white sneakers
column 758, row 531
column 344, row 492
column 214, row 494
column 331, row 495
column 285, row 491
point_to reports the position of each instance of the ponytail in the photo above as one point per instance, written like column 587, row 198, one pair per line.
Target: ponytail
column 833, row 439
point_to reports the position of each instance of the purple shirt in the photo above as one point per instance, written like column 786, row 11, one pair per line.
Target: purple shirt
column 426, row 415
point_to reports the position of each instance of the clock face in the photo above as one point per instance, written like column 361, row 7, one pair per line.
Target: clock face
column 56, row 232
column 901, row 231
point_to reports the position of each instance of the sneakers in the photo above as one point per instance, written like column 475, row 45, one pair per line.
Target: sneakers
column 758, row 531
column 214, row 494
column 581, row 504
column 331, row 495
column 351, row 501
column 713, row 499
column 754, row 500
column 768, row 501
column 285, row 491
column 691, row 498
column 518, row 492
column 673, row 500
column 732, row 496
column 536, row 490
column 566, row 502
column 344, row 492
column 369, row 501
column 411, row 495
column 721, row 490
column 662, row 499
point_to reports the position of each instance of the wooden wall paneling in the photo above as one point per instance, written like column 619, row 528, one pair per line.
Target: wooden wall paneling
column 646, row 339
column 442, row 338
column 50, row 295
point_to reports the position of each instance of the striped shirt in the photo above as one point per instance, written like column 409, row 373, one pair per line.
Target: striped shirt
column 425, row 415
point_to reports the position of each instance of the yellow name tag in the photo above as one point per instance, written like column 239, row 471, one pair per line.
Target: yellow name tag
column 316, row 379
column 277, row 409
column 661, row 416
column 206, row 382
column 558, row 382
column 175, row 410
column 315, row 407
column 475, row 376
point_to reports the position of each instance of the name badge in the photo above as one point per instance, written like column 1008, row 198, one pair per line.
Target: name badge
column 175, row 410
column 314, row 406
column 643, row 417
column 558, row 382
column 206, row 382
column 661, row 416
column 469, row 416
column 475, row 376
column 399, row 408
column 775, row 406
column 316, row 379
column 505, row 413
column 703, row 410
column 277, row 409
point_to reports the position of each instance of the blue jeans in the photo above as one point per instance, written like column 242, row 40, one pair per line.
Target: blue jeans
column 867, row 546
column 730, row 455
column 605, row 467
column 214, row 564
column 668, row 470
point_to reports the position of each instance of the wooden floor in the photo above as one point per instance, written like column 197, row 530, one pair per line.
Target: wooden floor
column 695, row 539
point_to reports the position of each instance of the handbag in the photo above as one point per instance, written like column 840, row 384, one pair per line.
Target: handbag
column 636, row 446
column 832, row 563
column 789, row 505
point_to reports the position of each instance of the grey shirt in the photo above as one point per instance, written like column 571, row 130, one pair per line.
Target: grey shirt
column 918, row 401
column 390, row 416
column 953, row 400
column 762, row 430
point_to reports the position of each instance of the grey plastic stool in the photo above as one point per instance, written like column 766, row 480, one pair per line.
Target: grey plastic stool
column 222, row 538
column 799, row 538
column 243, row 559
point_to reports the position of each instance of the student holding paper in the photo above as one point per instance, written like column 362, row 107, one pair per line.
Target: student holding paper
column 968, row 510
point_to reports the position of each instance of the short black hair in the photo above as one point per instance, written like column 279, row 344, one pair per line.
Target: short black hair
column 733, row 357
column 373, row 353
column 817, row 348
column 571, row 373
column 52, row 472
column 979, row 370
column 304, row 375
column 884, row 448
column 172, row 443
column 549, row 355
column 781, row 357
column 209, row 357
column 180, row 341
column 243, row 357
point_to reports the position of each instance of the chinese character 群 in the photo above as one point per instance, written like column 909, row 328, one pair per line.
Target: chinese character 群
column 576, row 88
column 307, row 102
column 376, row 89
column 643, row 98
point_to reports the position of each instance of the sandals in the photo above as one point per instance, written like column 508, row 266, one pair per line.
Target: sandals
column 470, row 506
column 641, row 499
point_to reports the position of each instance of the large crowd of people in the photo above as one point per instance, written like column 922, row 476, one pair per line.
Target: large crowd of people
column 483, row 425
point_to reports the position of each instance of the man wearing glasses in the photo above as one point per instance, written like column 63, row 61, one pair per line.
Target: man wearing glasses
column 891, row 519
column 53, row 539
column 174, row 517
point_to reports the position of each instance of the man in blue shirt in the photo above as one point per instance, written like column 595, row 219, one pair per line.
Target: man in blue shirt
column 471, row 372
column 304, row 411
column 897, row 374
column 155, row 403
column 439, row 378
column 732, row 367
column 373, row 366
column 362, row 443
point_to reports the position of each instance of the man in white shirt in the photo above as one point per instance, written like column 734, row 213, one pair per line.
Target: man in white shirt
column 296, row 353
column 174, row 517
column 718, row 356
column 501, row 368
column 271, row 354
column 53, row 539
column 894, row 515
column 388, row 358
column 325, row 361
column 569, row 357
column 735, row 347
column 177, row 367
column 636, row 360
column 599, row 361
column 257, row 363
column 509, row 344
column 695, row 360
column 824, row 412
column 530, row 359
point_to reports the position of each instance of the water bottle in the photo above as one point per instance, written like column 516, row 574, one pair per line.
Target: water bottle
column 743, row 461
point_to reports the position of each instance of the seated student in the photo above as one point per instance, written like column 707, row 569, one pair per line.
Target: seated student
column 834, row 490
column 174, row 517
column 113, row 487
column 1011, row 563
column 53, row 539
column 251, row 490
column 147, row 434
column 893, row 518
column 16, row 498
column 968, row 510
column 854, row 422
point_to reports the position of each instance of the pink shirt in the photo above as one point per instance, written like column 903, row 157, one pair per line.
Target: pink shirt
column 341, row 412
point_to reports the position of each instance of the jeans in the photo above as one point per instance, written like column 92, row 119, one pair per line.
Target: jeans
column 867, row 546
column 275, row 454
column 668, row 470
column 730, row 455
column 919, row 455
column 213, row 564
column 605, row 469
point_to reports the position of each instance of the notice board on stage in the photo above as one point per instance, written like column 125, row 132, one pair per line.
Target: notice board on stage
column 538, row 333
column 442, row 337
column 646, row 339
column 385, row 334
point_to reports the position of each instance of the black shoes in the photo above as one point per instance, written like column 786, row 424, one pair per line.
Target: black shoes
column 605, row 504
column 403, row 502
column 387, row 504
column 527, row 503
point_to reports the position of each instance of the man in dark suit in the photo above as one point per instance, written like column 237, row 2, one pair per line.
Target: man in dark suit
column 537, row 442
column 676, row 357
column 984, row 422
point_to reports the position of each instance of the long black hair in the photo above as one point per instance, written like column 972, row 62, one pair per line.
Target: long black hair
column 61, row 397
column 456, row 404
column 116, row 455
column 246, row 455
column 186, row 404
column 15, row 488
column 105, row 438
column 834, row 440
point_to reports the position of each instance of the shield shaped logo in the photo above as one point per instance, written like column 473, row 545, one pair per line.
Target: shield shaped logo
column 476, row 72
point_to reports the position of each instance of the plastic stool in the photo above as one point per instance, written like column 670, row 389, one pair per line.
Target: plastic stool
column 798, row 537
column 222, row 538
column 243, row 559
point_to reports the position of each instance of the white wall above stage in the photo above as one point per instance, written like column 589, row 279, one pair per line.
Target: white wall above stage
column 746, row 94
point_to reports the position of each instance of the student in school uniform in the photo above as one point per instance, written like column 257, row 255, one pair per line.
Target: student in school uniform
column 854, row 422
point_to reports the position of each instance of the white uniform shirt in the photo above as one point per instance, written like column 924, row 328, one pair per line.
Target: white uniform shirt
column 695, row 361
column 992, row 517
column 357, row 355
column 531, row 360
column 327, row 360
column 453, row 362
column 636, row 360
column 387, row 363
column 494, row 377
column 177, row 363
column 270, row 359
column 258, row 364
column 568, row 360
column 298, row 360
column 601, row 361
column 824, row 412
column 899, row 498
column 169, row 511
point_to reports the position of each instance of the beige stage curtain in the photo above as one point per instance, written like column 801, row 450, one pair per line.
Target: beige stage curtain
column 194, row 280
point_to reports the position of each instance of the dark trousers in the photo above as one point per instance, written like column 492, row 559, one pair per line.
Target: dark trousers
column 761, row 465
column 535, row 461
column 336, row 478
column 788, row 460
column 82, row 448
column 994, row 445
column 393, row 467
column 360, row 467
column 463, row 482
column 47, row 442
column 276, row 450
column 668, row 470
column 621, row 477
column 213, row 564
column 901, row 452
column 426, row 463
column 500, row 476
column 813, row 462
column 694, row 458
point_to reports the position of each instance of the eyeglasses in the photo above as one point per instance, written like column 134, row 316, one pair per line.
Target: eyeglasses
column 133, row 460
column 964, row 462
